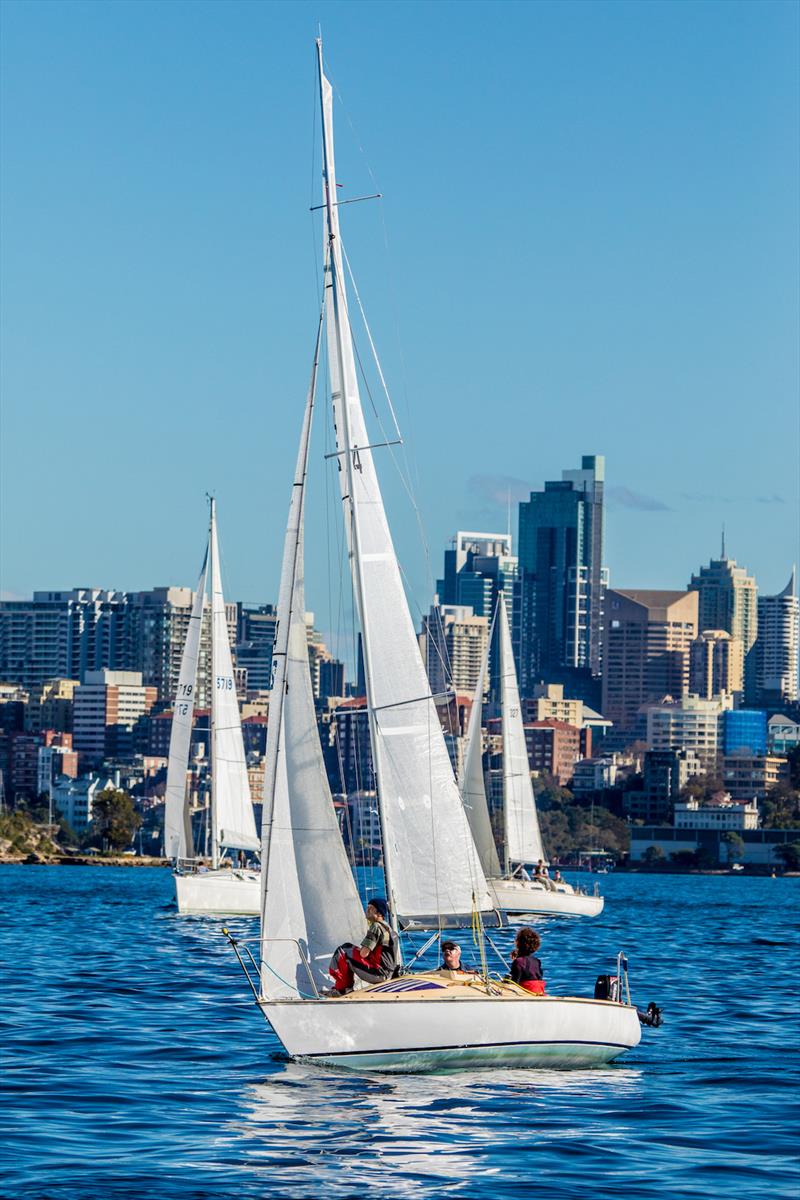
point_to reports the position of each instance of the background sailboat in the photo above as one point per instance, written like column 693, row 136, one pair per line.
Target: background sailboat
column 232, row 823
column 514, row 894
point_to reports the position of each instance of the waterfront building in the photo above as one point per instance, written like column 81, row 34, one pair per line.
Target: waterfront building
column 716, row 664
column 744, row 731
column 777, row 646
column 646, row 657
column 749, row 775
column 690, row 723
column 727, row 599
column 74, row 799
column 664, row 775
column 455, row 642
column 722, row 813
column 55, row 758
column 783, row 735
column 108, row 707
column 761, row 846
column 563, row 582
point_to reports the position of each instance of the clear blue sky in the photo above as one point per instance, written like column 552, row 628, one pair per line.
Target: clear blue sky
column 588, row 244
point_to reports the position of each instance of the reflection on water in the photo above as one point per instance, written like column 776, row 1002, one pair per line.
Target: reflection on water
column 137, row 1062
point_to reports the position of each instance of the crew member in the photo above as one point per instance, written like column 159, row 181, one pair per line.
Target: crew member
column 375, row 959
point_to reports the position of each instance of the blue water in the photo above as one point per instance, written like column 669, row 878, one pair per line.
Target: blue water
column 136, row 1064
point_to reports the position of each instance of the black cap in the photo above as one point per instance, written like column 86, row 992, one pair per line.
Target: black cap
column 449, row 946
column 380, row 906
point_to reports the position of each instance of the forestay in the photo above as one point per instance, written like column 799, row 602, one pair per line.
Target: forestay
column 429, row 854
column 234, row 823
column 310, row 903
column 523, row 842
column 473, row 788
column 177, row 826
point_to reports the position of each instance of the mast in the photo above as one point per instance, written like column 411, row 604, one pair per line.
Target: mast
column 337, row 289
column 212, row 741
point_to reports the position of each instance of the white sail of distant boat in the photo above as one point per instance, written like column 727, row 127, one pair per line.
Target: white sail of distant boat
column 473, row 788
column 178, row 842
column 522, row 839
column 232, row 821
column 419, row 1021
column 514, row 892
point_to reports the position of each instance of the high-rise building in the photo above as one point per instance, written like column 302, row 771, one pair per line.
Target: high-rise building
column 455, row 643
column 727, row 598
column 777, row 646
column 563, row 582
column 744, row 731
column 716, row 664
column 107, row 709
column 477, row 567
column 61, row 635
column 646, row 652
column 688, row 724
column 254, row 641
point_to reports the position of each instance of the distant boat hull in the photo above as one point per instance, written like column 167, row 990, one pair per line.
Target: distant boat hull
column 398, row 1033
column 223, row 892
column 520, row 897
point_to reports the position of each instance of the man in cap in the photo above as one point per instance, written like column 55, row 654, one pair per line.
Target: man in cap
column 451, row 960
column 374, row 959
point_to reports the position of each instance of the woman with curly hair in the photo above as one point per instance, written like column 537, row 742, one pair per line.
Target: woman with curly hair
column 526, row 969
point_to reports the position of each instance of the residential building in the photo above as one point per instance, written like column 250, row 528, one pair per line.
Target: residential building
column 592, row 775
column 477, row 567
column 721, row 813
column 664, row 774
column 157, row 623
column 727, row 599
column 553, row 748
column 55, row 758
column 716, row 664
column 777, row 646
column 107, row 708
column 690, row 723
column 753, row 775
column 455, row 643
column 646, row 657
column 353, row 752
column 563, row 582
column 744, row 731
column 255, row 638
column 783, row 734
column 548, row 701
column 74, row 799
column 61, row 634
column 51, row 705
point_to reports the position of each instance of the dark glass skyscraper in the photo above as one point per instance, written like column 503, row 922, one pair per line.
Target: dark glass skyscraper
column 563, row 582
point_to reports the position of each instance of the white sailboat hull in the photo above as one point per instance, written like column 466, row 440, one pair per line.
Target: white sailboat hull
column 517, row 897
column 419, row 1035
column 223, row 892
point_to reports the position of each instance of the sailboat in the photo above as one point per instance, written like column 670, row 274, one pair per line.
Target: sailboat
column 514, row 892
column 414, row 1021
column 232, row 821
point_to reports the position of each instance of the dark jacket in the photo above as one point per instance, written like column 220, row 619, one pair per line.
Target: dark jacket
column 526, row 968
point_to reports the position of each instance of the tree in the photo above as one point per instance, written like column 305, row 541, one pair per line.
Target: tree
column 735, row 845
column 789, row 854
column 653, row 855
column 114, row 819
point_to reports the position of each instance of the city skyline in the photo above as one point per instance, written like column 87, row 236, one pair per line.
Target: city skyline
column 156, row 339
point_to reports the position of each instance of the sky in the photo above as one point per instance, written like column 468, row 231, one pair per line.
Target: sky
column 587, row 244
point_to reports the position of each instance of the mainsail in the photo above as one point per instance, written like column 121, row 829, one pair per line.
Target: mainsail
column 430, row 860
column 523, row 842
column 232, row 809
column 473, row 788
column 309, row 903
column 177, row 826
